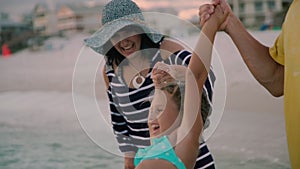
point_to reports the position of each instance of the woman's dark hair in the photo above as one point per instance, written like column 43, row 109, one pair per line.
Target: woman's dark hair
column 113, row 57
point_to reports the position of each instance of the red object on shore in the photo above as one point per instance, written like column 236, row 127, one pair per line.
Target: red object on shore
column 5, row 51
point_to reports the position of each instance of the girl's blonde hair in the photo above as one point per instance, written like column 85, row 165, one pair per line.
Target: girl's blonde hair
column 177, row 92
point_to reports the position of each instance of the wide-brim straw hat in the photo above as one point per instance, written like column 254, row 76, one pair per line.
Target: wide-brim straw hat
column 118, row 14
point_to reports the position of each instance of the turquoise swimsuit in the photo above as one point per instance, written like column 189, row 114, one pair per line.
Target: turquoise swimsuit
column 160, row 148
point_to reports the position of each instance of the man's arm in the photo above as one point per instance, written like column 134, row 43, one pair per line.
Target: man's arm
column 256, row 56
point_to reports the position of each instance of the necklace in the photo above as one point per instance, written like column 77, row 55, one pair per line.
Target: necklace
column 138, row 80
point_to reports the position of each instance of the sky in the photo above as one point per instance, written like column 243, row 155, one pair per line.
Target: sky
column 18, row 7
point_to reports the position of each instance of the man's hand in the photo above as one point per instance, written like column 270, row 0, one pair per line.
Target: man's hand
column 206, row 10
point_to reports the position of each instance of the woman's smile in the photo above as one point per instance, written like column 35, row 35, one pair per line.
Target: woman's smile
column 128, row 47
column 127, row 42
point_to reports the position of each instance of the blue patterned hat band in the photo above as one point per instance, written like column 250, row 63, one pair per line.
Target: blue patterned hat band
column 116, row 15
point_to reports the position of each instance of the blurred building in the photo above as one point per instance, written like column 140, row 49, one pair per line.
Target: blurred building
column 14, row 35
column 73, row 18
column 44, row 20
column 161, row 18
column 254, row 13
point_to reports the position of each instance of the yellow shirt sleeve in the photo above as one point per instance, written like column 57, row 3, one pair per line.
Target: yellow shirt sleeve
column 277, row 51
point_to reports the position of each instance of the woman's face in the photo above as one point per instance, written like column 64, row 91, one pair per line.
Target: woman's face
column 127, row 41
column 163, row 113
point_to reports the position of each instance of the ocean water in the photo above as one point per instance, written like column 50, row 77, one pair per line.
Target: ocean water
column 41, row 130
column 37, row 149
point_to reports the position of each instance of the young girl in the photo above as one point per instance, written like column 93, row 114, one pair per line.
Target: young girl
column 174, row 141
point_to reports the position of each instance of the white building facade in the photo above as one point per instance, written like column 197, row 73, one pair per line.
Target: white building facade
column 254, row 13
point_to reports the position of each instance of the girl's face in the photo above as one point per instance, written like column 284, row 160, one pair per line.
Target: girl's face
column 127, row 41
column 163, row 113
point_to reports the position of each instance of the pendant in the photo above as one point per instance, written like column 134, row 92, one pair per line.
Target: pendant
column 138, row 81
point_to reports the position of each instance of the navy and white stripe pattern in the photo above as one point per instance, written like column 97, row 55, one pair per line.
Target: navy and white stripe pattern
column 129, row 107
column 204, row 159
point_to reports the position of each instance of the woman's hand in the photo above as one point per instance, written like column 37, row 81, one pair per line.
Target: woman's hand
column 128, row 162
column 162, row 74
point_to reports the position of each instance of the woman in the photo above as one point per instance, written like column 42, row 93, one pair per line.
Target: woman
column 174, row 141
column 131, row 49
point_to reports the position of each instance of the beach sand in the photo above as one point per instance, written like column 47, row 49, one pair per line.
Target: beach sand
column 37, row 110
